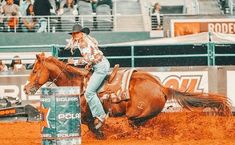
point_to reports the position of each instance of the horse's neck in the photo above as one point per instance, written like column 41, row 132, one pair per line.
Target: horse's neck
column 60, row 78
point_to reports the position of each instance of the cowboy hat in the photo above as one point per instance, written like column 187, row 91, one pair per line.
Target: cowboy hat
column 79, row 28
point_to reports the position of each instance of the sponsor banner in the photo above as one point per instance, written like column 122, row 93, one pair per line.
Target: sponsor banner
column 230, row 86
column 193, row 26
column 61, row 115
column 12, row 85
column 190, row 81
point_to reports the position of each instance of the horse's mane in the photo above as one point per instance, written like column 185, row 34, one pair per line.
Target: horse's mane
column 70, row 70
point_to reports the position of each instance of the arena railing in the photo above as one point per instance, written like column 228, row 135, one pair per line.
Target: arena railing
column 64, row 23
column 138, row 55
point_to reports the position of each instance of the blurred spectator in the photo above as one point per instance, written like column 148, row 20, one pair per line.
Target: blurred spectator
column 1, row 14
column 42, row 8
column 84, row 7
column 16, row 64
column 17, row 2
column 85, row 11
column 107, row 2
column 12, row 22
column 93, row 5
column 23, row 6
column 224, row 6
column 103, row 16
column 3, row 67
column 30, row 24
column 12, row 10
column 68, row 8
column 53, row 6
column 156, row 15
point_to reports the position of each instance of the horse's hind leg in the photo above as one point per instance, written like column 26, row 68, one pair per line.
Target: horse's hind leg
column 136, row 122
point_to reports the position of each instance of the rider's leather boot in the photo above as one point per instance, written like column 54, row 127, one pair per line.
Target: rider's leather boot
column 99, row 121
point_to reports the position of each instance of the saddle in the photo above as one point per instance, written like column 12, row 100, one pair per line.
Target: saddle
column 116, row 88
column 116, row 85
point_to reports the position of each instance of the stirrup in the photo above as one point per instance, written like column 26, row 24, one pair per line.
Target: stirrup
column 101, row 121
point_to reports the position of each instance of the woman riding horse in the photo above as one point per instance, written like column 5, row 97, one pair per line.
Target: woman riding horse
column 93, row 58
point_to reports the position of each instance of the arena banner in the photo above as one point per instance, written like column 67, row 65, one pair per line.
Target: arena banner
column 61, row 111
column 12, row 85
column 230, row 86
column 193, row 26
column 191, row 81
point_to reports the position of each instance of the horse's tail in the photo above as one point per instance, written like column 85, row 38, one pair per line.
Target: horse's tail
column 219, row 104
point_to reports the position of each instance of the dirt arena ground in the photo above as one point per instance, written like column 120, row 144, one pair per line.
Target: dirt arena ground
column 166, row 129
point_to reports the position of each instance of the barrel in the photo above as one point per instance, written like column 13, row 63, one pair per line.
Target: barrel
column 61, row 116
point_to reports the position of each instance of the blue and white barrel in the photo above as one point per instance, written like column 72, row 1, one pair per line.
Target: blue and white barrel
column 61, row 116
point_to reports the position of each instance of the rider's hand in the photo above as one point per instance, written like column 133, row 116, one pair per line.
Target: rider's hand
column 88, row 66
column 80, row 61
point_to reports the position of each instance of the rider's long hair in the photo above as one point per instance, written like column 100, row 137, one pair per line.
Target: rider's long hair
column 86, row 41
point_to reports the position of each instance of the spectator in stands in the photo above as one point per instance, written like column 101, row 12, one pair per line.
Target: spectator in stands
column 17, row 2
column 42, row 8
column 68, row 8
column 84, row 7
column 53, row 6
column 106, row 2
column 3, row 67
column 30, row 24
column 12, row 10
column 23, row 6
column 93, row 58
column 1, row 14
column 93, row 5
column 156, row 15
column 17, row 65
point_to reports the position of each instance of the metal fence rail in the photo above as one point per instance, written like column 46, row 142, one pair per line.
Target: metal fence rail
column 133, row 55
column 64, row 23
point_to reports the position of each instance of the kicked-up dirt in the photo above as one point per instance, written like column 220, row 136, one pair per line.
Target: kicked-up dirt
column 182, row 128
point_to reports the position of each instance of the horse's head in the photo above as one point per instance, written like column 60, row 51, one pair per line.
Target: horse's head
column 38, row 76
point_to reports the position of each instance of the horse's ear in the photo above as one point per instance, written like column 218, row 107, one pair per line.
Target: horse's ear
column 41, row 56
column 38, row 57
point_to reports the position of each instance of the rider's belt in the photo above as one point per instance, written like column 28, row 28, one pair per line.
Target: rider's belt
column 99, row 60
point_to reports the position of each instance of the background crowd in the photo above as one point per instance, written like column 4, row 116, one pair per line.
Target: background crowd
column 16, row 65
column 20, row 14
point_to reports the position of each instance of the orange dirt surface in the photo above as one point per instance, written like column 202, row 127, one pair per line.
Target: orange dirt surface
column 165, row 129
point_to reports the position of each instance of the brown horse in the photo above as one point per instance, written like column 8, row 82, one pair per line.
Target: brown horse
column 147, row 95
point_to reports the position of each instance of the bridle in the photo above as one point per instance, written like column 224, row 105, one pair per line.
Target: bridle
column 36, row 84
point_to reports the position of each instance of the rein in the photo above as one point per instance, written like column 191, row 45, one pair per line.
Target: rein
column 55, row 79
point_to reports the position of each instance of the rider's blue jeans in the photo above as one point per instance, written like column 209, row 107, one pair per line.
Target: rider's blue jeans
column 100, row 71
